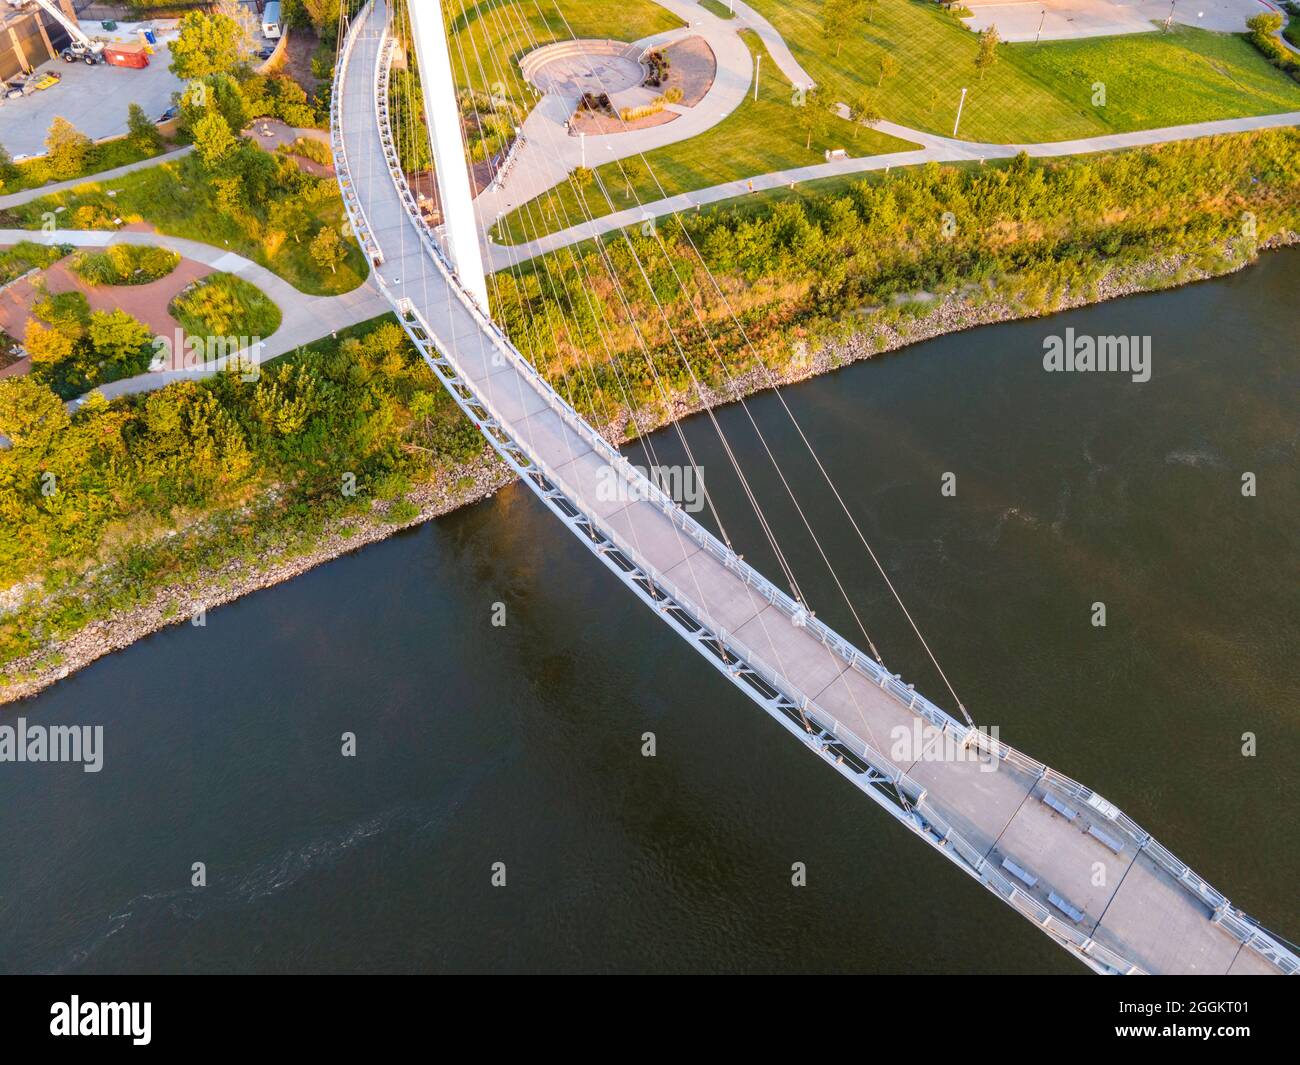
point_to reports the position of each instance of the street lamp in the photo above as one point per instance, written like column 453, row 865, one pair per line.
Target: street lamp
column 960, row 104
column 1039, row 36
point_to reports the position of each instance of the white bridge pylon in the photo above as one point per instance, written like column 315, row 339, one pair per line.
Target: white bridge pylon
column 447, row 142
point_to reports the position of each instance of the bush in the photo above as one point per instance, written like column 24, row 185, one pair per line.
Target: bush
column 631, row 114
column 223, row 305
column 28, row 255
column 309, row 148
column 124, row 264
column 1262, row 27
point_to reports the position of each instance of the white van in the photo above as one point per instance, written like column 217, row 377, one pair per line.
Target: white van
column 271, row 20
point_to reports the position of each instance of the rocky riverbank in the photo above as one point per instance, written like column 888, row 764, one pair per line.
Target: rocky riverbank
column 477, row 480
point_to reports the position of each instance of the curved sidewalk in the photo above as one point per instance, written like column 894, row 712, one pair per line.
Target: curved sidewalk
column 936, row 149
column 548, row 154
column 304, row 318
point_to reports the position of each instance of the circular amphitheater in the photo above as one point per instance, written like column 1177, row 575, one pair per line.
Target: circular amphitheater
column 571, row 68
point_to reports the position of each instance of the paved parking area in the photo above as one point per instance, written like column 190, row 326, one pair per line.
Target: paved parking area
column 1018, row 20
column 94, row 99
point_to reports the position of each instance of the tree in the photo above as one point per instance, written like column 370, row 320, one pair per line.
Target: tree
column 213, row 140
column 7, row 169
column 141, row 130
column 888, row 67
column 813, row 115
column 327, row 249
column 248, row 31
column 864, row 112
column 219, row 92
column 31, row 415
column 324, row 14
column 66, row 148
column 988, row 53
column 1264, row 24
column 47, row 345
column 290, row 218
column 633, row 171
column 117, row 336
column 208, row 44
column 840, row 18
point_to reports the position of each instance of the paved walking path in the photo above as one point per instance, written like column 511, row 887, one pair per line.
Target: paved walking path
column 933, row 149
column 548, row 154
column 773, row 41
column 15, row 199
column 305, row 318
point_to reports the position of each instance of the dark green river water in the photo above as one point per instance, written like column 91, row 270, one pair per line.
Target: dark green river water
column 522, row 744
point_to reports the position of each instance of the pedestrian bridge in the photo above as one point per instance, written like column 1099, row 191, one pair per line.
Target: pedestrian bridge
column 1068, row 860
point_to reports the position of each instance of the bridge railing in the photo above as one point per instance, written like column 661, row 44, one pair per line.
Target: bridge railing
column 357, row 217
column 1237, row 923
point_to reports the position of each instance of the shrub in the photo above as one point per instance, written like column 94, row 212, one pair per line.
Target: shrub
column 309, row 148
column 224, row 305
column 1262, row 27
column 124, row 264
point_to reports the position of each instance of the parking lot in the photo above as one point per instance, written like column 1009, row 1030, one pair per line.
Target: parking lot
column 94, row 99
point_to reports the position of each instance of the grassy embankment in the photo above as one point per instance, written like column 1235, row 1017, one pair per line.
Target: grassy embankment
column 179, row 199
column 167, row 490
column 873, row 259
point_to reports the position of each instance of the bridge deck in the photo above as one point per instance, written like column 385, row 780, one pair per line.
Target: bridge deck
column 1125, row 901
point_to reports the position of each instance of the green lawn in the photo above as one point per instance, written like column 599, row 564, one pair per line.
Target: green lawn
column 32, row 173
column 718, row 8
column 1161, row 79
column 227, row 306
column 759, row 136
column 488, row 39
column 28, row 255
column 176, row 198
column 1034, row 92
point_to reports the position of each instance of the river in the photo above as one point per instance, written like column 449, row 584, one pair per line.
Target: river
column 522, row 744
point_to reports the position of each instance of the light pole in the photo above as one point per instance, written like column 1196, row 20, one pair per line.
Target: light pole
column 960, row 104
column 582, row 144
column 758, row 67
column 1039, row 36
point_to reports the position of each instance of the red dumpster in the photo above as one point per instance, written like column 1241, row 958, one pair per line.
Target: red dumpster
column 131, row 54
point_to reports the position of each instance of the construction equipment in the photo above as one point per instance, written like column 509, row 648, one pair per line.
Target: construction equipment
column 80, row 47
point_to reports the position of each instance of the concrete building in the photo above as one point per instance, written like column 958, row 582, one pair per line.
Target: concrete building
column 29, row 37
